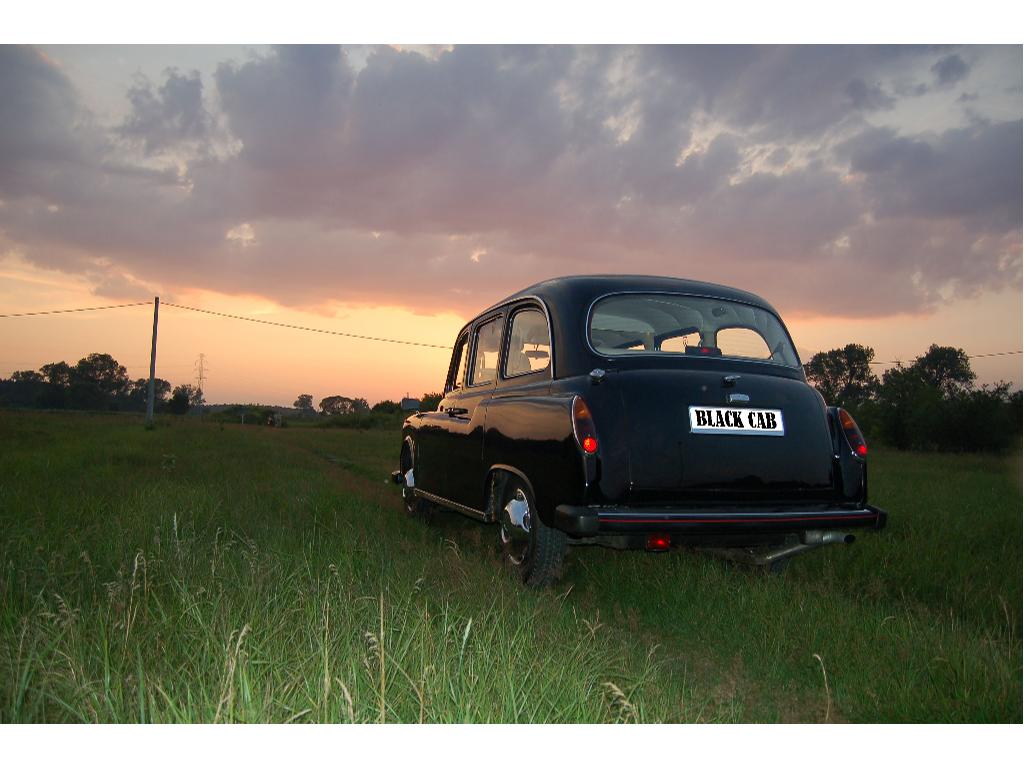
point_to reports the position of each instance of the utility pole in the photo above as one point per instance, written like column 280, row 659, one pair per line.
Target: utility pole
column 152, row 365
column 200, row 378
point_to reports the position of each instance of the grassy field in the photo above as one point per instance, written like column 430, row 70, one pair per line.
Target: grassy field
column 201, row 572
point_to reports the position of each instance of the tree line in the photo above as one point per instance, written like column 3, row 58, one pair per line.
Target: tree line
column 97, row 382
column 933, row 403
column 338, row 405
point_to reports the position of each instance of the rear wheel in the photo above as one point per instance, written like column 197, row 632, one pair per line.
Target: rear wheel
column 533, row 550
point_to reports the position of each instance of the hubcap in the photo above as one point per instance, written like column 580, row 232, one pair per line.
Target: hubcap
column 515, row 527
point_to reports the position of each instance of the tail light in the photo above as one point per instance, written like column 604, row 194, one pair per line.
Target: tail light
column 853, row 434
column 583, row 426
column 658, row 542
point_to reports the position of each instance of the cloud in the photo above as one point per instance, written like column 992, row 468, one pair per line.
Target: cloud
column 972, row 173
column 170, row 116
column 310, row 175
column 40, row 123
column 950, row 69
column 868, row 97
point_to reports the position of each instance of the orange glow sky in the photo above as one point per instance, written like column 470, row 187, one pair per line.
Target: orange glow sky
column 871, row 195
column 256, row 363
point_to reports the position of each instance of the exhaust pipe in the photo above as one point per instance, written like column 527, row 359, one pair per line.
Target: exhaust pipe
column 819, row 538
column 809, row 540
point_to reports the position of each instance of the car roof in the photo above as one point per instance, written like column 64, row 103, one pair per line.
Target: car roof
column 568, row 299
column 589, row 287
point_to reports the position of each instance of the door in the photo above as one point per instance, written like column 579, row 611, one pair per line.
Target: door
column 433, row 426
column 466, row 412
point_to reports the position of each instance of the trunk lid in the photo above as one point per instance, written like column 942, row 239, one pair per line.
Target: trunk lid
column 670, row 463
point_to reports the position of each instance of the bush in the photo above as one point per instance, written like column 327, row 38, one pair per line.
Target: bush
column 363, row 421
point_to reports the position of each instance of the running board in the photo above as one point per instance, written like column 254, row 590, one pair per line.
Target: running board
column 462, row 509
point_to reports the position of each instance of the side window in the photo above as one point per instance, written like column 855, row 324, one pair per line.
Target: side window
column 457, row 370
column 529, row 345
column 485, row 352
column 743, row 342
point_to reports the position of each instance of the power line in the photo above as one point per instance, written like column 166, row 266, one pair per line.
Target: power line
column 305, row 328
column 79, row 309
column 998, row 354
column 971, row 357
column 343, row 333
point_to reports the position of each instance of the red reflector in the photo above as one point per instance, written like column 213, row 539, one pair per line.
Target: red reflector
column 657, row 542
column 862, row 450
column 590, row 445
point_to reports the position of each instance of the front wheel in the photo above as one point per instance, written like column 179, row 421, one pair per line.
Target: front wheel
column 415, row 507
column 533, row 550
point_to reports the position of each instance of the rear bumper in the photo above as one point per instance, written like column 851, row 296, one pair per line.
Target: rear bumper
column 598, row 520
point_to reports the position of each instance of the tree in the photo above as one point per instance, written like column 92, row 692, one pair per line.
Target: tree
column 907, row 407
column 843, row 376
column 184, row 397
column 946, row 368
column 336, row 405
column 58, row 374
column 138, row 394
column 25, row 389
column 933, row 404
column 430, row 401
column 98, row 381
column 331, row 405
column 58, row 380
column 387, row 406
column 27, row 377
column 304, row 403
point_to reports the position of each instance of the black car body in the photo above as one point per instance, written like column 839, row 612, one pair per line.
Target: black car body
column 636, row 412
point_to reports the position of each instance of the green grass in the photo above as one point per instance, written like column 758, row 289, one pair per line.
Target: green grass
column 201, row 572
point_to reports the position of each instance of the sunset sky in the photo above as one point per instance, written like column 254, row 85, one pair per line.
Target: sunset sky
column 872, row 194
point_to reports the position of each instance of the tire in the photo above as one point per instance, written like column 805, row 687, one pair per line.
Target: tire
column 531, row 549
column 415, row 507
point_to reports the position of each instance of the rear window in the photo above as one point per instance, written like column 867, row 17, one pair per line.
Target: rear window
column 644, row 324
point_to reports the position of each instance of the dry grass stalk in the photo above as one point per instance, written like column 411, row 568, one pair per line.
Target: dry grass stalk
column 227, row 695
column 622, row 708
column 381, row 651
column 828, row 694
column 348, row 699
column 327, row 655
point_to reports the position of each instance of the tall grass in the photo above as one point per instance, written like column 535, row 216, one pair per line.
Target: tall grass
column 202, row 573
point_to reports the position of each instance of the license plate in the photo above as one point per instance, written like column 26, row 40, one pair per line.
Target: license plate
column 706, row 420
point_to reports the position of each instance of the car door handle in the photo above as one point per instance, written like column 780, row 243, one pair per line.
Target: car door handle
column 456, row 411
